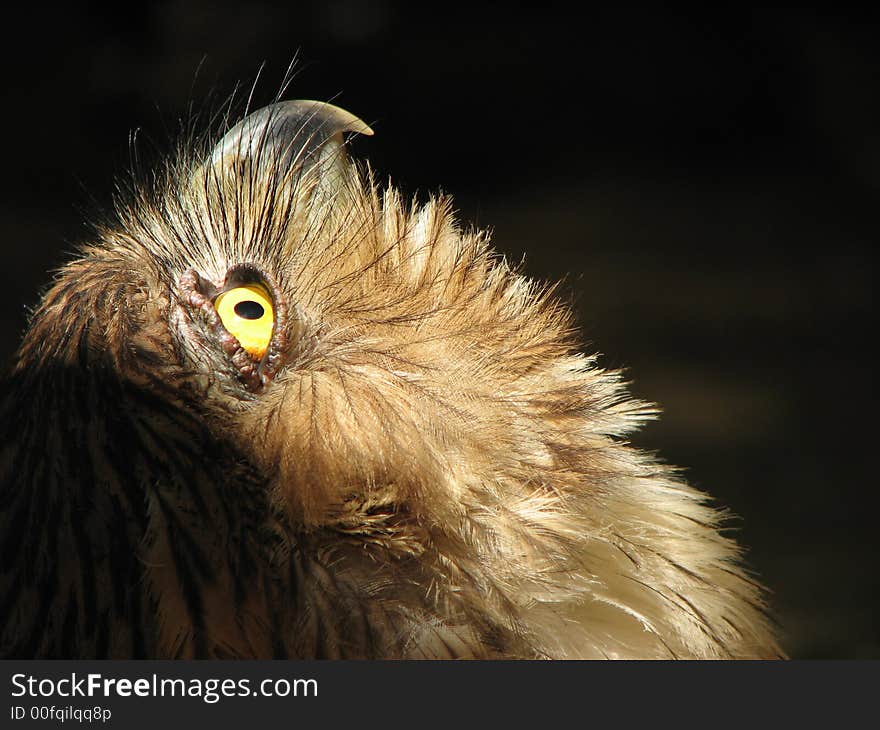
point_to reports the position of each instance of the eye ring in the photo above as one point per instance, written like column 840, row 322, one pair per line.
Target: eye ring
column 247, row 313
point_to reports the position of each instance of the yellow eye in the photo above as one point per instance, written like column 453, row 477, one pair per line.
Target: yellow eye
column 246, row 313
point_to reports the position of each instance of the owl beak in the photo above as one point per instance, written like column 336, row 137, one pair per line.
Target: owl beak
column 290, row 139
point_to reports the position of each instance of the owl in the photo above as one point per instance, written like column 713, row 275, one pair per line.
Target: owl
column 274, row 410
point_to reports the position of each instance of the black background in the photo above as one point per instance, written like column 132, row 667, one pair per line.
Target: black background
column 705, row 183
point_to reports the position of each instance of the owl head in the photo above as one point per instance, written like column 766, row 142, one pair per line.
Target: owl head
column 349, row 342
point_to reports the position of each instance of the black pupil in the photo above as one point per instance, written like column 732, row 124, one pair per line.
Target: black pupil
column 249, row 309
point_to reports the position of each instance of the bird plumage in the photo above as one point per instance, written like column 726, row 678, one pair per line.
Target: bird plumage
column 423, row 464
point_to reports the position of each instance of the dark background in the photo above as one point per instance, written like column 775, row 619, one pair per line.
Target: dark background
column 704, row 183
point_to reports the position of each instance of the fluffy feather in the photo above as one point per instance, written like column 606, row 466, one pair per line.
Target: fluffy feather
column 433, row 470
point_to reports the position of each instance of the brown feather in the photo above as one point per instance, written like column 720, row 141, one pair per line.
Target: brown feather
column 430, row 469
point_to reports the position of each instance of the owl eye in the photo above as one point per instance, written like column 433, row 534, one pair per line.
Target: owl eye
column 247, row 314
